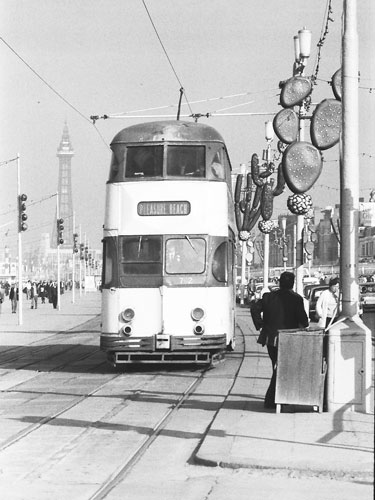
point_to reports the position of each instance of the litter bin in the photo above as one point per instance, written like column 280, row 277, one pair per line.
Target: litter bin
column 301, row 368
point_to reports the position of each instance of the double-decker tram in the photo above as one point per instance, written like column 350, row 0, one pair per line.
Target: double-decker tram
column 168, row 286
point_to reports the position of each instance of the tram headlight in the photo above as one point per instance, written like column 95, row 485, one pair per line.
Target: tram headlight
column 197, row 313
column 199, row 329
column 128, row 315
column 126, row 330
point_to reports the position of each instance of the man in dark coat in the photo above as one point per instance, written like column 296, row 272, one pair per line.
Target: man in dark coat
column 277, row 310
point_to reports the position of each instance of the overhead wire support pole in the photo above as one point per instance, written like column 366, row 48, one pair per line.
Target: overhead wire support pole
column 349, row 374
column 73, row 260
column 58, row 251
column 20, row 296
column 80, row 262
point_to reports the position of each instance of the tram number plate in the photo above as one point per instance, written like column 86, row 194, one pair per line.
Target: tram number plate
column 163, row 341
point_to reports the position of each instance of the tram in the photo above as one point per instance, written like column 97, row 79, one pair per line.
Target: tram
column 168, row 284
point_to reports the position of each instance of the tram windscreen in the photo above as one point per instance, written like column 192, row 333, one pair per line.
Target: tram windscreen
column 186, row 161
column 140, row 255
column 185, row 255
column 144, row 161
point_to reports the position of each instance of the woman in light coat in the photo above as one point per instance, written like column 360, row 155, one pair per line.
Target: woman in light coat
column 328, row 306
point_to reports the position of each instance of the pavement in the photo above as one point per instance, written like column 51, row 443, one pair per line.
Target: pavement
column 246, row 435
column 243, row 433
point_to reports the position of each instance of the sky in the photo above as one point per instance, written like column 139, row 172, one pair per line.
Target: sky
column 66, row 61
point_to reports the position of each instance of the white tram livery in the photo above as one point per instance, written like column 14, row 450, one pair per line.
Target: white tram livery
column 168, row 289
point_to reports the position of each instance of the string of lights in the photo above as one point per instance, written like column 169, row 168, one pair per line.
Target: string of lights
column 323, row 36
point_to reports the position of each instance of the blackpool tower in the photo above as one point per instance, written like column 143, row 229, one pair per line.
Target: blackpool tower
column 65, row 154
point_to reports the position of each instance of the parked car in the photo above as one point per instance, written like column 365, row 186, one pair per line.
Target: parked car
column 238, row 291
column 367, row 294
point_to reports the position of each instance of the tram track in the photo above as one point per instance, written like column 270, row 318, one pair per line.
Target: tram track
column 150, row 388
column 34, row 426
column 123, row 470
column 119, row 474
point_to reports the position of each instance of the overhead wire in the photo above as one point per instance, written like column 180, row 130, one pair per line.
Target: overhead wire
column 200, row 101
column 59, row 95
column 166, row 54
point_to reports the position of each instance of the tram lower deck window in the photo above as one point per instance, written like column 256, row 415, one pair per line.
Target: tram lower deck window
column 140, row 255
column 185, row 255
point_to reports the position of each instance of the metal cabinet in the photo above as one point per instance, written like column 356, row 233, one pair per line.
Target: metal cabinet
column 301, row 368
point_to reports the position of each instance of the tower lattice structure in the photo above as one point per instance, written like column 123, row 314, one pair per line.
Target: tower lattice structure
column 65, row 154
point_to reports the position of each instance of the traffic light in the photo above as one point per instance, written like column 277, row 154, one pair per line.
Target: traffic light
column 86, row 254
column 81, row 251
column 75, row 242
column 60, row 229
column 22, row 215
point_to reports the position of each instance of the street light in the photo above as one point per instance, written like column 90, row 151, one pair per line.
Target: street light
column 302, row 50
column 269, row 133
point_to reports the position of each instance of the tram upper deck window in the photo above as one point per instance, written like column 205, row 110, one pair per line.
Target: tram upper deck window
column 186, row 161
column 185, row 255
column 144, row 161
column 140, row 255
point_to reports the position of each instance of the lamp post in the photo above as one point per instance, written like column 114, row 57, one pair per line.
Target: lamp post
column 243, row 253
column 302, row 50
column 284, row 242
column 269, row 134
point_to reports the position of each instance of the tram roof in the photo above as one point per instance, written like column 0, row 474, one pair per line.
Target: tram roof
column 171, row 130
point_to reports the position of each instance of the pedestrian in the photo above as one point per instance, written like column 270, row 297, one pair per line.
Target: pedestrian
column 277, row 310
column 53, row 294
column 28, row 290
column 34, row 296
column 328, row 306
column 2, row 295
column 13, row 297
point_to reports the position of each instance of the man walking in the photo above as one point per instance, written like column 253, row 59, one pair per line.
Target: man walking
column 13, row 297
column 34, row 296
column 277, row 310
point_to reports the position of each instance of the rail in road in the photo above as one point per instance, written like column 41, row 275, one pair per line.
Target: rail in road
column 70, row 423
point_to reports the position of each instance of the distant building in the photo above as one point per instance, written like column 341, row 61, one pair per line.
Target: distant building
column 65, row 154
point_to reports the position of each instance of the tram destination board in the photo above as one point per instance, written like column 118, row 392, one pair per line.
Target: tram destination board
column 155, row 208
